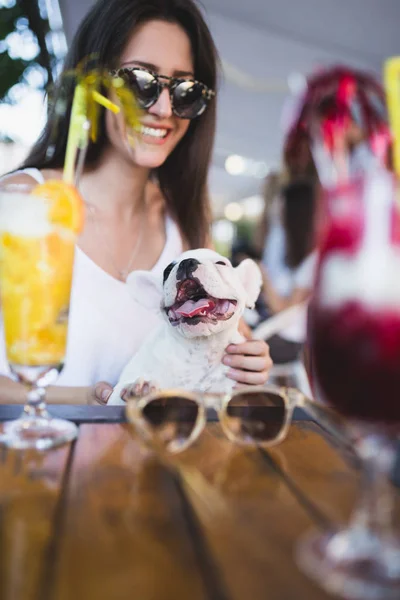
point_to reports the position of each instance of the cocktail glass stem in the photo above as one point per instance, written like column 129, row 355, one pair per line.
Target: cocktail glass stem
column 35, row 406
column 374, row 512
column 36, row 428
column 362, row 560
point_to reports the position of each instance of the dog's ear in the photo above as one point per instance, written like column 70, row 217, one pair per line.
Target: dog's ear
column 145, row 288
column 250, row 276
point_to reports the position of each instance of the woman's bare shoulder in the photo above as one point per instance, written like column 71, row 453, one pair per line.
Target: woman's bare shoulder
column 17, row 178
column 51, row 173
column 20, row 177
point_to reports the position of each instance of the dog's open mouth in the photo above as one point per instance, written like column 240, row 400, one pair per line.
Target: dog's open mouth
column 193, row 304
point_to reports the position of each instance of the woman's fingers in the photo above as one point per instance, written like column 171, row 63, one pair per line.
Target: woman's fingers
column 137, row 389
column 100, row 393
column 249, row 347
column 248, row 377
column 250, row 362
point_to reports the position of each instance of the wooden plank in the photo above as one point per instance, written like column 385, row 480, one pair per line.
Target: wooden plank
column 72, row 412
column 252, row 516
column 324, row 475
column 124, row 533
column 331, row 479
column 30, row 491
column 103, row 414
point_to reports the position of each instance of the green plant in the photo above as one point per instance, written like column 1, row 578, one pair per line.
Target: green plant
column 24, row 25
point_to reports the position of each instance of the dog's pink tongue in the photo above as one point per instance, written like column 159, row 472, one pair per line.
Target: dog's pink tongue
column 191, row 308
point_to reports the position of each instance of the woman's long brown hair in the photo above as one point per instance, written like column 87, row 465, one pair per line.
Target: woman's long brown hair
column 104, row 33
column 299, row 214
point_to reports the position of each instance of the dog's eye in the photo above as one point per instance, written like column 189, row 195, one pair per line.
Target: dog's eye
column 221, row 262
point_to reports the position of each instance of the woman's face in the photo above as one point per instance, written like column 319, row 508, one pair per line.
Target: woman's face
column 163, row 48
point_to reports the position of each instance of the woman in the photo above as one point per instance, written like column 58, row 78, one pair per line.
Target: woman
column 131, row 222
column 270, row 235
column 293, row 283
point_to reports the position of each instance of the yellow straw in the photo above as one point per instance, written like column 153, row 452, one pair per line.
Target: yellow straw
column 105, row 102
column 85, row 116
column 392, row 86
column 75, row 132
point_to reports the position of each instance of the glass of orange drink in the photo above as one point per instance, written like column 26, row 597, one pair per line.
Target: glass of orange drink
column 39, row 225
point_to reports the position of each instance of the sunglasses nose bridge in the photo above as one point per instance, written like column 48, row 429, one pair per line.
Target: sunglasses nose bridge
column 163, row 83
column 163, row 104
column 213, row 400
column 207, row 400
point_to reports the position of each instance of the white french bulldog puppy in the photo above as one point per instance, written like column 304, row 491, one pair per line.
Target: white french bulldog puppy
column 202, row 297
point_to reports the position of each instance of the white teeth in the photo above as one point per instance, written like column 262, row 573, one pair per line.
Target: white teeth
column 157, row 133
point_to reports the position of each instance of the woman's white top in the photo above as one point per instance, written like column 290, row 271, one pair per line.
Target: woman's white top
column 273, row 257
column 106, row 325
column 302, row 277
column 286, row 279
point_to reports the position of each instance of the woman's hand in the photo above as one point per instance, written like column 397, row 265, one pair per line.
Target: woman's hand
column 99, row 393
column 138, row 389
column 250, row 362
column 250, row 365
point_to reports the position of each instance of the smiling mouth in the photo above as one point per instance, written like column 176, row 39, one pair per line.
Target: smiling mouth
column 194, row 305
column 159, row 133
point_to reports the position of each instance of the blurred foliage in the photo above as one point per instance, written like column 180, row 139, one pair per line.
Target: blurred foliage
column 245, row 230
column 11, row 72
column 244, row 233
column 13, row 68
column 224, row 248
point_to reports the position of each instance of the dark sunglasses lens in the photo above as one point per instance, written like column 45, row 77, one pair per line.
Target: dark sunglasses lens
column 143, row 84
column 256, row 417
column 171, row 420
column 189, row 100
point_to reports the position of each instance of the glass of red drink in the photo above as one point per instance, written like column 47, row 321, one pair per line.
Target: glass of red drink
column 354, row 338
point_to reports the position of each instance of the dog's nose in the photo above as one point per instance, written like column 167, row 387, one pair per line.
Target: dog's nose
column 186, row 268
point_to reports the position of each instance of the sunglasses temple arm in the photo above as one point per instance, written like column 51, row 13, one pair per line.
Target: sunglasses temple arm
column 189, row 475
column 152, row 443
column 326, row 418
column 163, row 455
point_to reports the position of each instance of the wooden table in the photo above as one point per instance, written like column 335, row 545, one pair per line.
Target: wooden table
column 104, row 519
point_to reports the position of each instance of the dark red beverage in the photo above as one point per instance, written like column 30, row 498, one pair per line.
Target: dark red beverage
column 356, row 359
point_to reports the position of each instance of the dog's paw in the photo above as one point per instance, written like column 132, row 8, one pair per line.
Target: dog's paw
column 138, row 389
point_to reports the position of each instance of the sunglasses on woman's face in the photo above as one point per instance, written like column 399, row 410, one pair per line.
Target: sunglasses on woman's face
column 174, row 419
column 189, row 98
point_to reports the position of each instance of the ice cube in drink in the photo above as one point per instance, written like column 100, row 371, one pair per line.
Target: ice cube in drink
column 37, row 242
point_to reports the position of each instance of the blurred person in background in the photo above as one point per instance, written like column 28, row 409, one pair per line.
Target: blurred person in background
column 164, row 51
column 291, row 284
column 298, row 219
column 269, row 239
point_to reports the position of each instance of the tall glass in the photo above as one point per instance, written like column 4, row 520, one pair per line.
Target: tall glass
column 36, row 261
column 354, row 335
